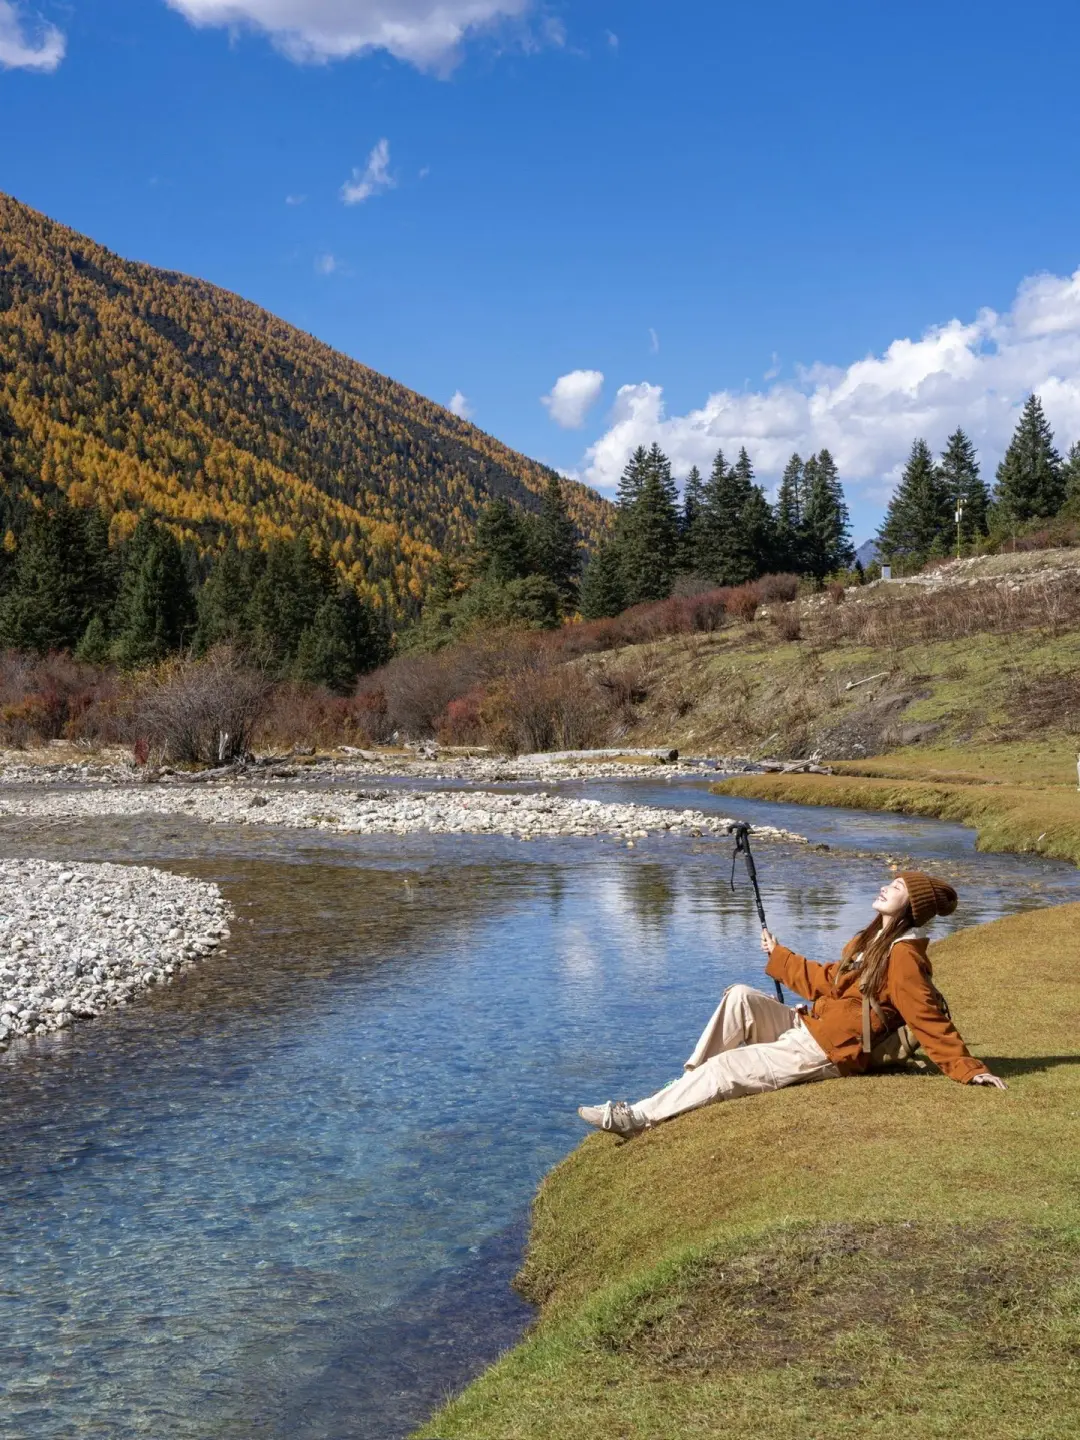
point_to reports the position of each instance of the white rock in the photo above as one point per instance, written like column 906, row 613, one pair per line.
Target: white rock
column 78, row 955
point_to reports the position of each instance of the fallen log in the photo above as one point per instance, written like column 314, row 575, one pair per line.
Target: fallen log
column 664, row 755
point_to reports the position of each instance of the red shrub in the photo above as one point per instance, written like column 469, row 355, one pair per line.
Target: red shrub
column 708, row 611
column 462, row 722
column 55, row 697
column 778, row 587
column 742, row 601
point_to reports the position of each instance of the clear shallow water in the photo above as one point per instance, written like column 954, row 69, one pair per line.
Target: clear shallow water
column 285, row 1198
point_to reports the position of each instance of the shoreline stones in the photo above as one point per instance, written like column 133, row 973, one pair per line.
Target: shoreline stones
column 348, row 764
column 377, row 812
column 77, row 939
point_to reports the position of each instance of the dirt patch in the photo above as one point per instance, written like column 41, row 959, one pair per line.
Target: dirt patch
column 874, row 726
column 842, row 1298
column 1049, row 700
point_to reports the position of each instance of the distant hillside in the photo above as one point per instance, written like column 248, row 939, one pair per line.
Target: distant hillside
column 140, row 389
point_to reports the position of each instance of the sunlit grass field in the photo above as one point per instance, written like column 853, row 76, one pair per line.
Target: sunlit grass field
column 842, row 1260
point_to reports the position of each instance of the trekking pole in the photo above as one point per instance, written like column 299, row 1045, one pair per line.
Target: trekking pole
column 741, row 831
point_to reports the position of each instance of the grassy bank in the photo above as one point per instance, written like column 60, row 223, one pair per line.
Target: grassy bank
column 832, row 1261
column 1017, row 797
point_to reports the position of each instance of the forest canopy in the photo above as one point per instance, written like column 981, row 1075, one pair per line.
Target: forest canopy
column 137, row 391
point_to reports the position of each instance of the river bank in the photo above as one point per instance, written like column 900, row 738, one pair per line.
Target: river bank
column 63, row 764
column 77, row 939
column 1018, row 799
column 528, row 816
column 790, row 1264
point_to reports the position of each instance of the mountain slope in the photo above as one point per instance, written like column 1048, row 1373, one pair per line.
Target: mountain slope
column 140, row 389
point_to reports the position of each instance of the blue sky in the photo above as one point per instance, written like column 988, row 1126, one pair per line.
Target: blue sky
column 780, row 225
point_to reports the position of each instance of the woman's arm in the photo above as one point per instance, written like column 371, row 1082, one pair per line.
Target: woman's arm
column 911, row 993
column 805, row 977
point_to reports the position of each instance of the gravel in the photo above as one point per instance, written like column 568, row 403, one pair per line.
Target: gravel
column 428, row 763
column 78, row 939
column 374, row 812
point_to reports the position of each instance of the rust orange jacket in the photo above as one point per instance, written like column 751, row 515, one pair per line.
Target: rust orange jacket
column 835, row 1020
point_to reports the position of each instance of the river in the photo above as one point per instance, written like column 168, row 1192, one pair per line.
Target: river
column 285, row 1197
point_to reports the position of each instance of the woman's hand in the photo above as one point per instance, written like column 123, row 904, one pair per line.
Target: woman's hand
column 985, row 1078
column 768, row 942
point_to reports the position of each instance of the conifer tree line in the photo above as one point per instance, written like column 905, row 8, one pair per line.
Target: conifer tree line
column 1033, row 484
column 63, row 587
column 725, row 532
column 522, row 570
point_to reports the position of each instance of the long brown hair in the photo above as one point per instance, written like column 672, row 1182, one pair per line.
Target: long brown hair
column 874, row 944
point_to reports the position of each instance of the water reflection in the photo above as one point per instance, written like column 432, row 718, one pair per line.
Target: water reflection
column 650, row 891
column 275, row 1199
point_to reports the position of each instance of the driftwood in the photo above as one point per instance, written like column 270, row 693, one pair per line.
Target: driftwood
column 792, row 767
column 665, row 755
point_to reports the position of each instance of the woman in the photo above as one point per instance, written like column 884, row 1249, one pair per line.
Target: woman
column 754, row 1043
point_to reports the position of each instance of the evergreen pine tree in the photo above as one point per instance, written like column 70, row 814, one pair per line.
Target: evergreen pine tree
column 759, row 526
column 960, row 475
column 502, row 543
column 789, row 515
column 826, row 523
column 94, row 646
column 8, row 546
column 344, row 639
column 62, row 576
column 557, row 554
column 602, row 593
column 920, row 512
column 632, row 479
column 225, row 597
column 1030, row 484
column 648, row 533
column 295, row 581
column 155, row 609
column 744, row 470
column 725, row 553
column 690, row 519
column 1071, row 476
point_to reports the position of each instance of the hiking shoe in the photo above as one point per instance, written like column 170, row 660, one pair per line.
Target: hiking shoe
column 616, row 1115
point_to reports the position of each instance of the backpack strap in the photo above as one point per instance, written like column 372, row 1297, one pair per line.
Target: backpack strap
column 868, row 1004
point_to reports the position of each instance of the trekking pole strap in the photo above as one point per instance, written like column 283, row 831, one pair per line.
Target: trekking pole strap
column 742, row 847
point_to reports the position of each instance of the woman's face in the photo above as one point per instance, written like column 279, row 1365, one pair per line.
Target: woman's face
column 891, row 899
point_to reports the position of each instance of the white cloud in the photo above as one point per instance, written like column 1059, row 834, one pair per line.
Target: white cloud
column 654, row 341
column 28, row 47
column 325, row 264
column 975, row 374
column 373, row 179
column 295, row 199
column 458, row 405
column 573, row 396
column 426, row 33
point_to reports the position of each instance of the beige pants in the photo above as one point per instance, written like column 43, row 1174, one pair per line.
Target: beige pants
column 752, row 1043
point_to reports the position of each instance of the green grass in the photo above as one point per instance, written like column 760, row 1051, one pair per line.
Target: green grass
column 828, row 1261
column 1023, row 818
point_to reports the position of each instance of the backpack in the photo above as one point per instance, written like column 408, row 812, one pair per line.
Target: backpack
column 896, row 1047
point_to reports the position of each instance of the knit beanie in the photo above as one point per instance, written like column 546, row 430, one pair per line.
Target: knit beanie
column 928, row 896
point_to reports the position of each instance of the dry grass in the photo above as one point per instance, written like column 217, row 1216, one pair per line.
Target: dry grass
column 890, row 617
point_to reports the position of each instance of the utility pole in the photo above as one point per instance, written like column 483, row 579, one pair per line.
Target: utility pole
column 959, row 517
